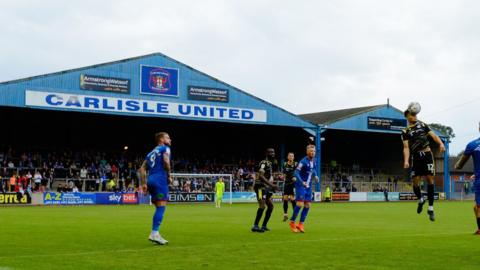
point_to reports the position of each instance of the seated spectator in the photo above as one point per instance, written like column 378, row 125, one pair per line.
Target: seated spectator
column 22, row 181
column 12, row 183
column 176, row 185
column 37, row 179
column 60, row 188
column 29, row 178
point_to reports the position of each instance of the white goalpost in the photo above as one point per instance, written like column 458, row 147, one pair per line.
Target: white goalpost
column 203, row 182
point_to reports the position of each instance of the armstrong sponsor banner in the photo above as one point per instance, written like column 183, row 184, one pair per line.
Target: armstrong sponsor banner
column 106, row 84
column 15, row 198
column 191, row 197
column 240, row 197
column 159, row 81
column 410, row 196
column 381, row 123
column 51, row 198
column 95, row 103
column 208, row 94
column 340, row 196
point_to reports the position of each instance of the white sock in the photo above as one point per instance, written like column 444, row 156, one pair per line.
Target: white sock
column 421, row 200
column 155, row 232
column 430, row 208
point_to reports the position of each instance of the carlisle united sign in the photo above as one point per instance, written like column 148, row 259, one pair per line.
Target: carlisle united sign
column 96, row 103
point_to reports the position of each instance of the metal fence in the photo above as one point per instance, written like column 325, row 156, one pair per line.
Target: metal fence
column 368, row 186
column 462, row 190
column 361, row 183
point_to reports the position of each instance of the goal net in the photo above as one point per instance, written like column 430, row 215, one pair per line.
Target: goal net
column 191, row 187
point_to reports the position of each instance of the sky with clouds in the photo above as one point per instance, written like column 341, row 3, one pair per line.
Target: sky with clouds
column 304, row 56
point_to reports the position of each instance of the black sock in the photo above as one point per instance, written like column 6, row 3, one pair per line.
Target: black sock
column 293, row 204
column 478, row 223
column 267, row 216
column 430, row 191
column 417, row 191
column 285, row 207
column 259, row 216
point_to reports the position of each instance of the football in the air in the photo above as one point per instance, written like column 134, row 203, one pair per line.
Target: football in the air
column 414, row 107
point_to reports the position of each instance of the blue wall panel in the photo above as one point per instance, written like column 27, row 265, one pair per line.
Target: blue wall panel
column 360, row 122
column 13, row 93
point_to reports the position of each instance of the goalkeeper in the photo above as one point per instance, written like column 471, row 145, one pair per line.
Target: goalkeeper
column 219, row 189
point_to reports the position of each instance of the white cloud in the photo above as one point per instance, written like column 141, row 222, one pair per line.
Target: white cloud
column 304, row 56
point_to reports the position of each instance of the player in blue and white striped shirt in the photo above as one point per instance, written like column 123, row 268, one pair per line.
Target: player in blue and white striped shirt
column 305, row 175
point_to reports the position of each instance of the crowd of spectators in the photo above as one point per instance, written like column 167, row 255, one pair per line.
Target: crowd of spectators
column 70, row 171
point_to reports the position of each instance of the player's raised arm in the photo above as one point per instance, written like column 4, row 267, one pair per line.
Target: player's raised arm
column 406, row 155
column 437, row 140
column 406, row 148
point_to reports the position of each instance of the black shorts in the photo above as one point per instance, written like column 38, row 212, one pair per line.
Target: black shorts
column 423, row 164
column 262, row 193
column 288, row 189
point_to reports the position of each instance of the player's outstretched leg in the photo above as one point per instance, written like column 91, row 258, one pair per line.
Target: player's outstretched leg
column 430, row 196
column 157, row 221
column 418, row 193
column 268, row 213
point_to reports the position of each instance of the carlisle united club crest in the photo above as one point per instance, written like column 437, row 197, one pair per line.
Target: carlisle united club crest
column 159, row 80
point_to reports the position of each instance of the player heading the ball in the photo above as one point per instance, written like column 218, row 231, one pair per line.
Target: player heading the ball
column 418, row 157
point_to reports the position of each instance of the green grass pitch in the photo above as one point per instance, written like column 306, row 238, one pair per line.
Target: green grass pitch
column 339, row 236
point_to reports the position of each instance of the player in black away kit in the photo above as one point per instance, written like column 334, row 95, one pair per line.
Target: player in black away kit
column 288, row 189
column 418, row 156
column 263, row 189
